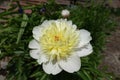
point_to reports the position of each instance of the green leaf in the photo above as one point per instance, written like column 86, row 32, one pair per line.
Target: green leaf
column 36, row 74
column 88, row 75
column 23, row 25
column 82, row 75
column 43, row 77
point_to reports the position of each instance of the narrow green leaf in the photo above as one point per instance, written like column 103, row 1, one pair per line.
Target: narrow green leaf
column 43, row 77
column 88, row 76
column 36, row 74
column 3, row 41
column 82, row 75
column 23, row 25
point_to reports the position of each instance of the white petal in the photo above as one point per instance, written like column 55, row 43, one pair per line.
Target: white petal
column 42, row 59
column 51, row 68
column 85, row 50
column 35, row 54
column 34, row 44
column 72, row 64
column 84, row 37
column 37, row 32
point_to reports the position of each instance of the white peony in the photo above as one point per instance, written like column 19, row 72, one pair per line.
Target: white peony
column 58, row 45
column 65, row 13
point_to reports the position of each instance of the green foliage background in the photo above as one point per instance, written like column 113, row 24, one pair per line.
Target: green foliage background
column 17, row 32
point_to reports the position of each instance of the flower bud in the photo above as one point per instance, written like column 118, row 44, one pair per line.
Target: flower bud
column 65, row 13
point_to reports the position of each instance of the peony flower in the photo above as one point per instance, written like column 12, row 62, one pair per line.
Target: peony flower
column 65, row 13
column 58, row 45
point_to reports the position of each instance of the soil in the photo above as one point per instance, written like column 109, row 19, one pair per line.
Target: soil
column 112, row 52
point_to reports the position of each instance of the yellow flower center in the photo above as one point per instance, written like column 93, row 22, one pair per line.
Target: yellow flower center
column 57, row 38
column 58, row 42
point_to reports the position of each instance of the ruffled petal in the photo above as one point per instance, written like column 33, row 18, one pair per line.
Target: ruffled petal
column 34, row 44
column 35, row 54
column 72, row 64
column 85, row 50
column 51, row 68
column 85, row 38
column 37, row 32
column 42, row 59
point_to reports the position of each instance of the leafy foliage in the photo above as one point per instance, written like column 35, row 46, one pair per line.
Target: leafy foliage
column 17, row 32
